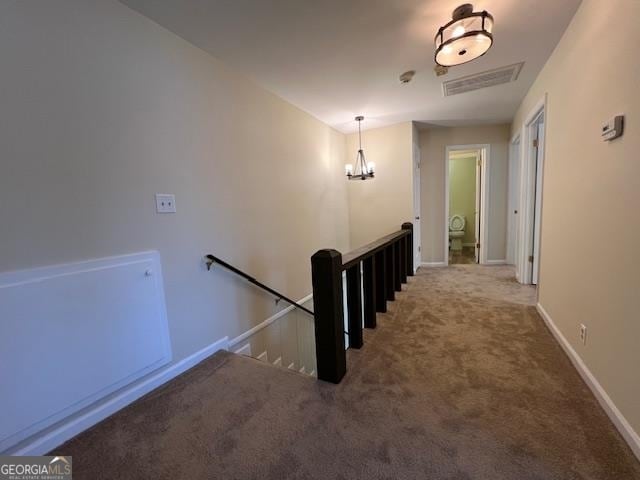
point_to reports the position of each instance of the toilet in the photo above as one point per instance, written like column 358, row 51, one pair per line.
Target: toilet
column 456, row 232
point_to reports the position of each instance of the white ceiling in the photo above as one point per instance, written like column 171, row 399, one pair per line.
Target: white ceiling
column 339, row 58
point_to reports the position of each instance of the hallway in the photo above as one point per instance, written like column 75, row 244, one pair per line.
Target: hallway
column 460, row 380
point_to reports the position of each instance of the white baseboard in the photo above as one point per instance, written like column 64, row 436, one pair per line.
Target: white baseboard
column 621, row 423
column 267, row 322
column 44, row 442
column 496, row 262
column 433, row 264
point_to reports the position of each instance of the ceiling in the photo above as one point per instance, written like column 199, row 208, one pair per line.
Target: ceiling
column 340, row 58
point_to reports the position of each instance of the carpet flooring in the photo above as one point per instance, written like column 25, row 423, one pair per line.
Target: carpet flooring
column 461, row 380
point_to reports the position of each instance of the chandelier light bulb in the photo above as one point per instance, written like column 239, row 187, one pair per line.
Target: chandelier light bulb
column 348, row 169
column 458, row 31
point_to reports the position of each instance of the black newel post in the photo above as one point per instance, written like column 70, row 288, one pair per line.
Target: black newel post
column 369, row 289
column 326, row 277
column 409, row 226
column 381, row 281
column 354, row 306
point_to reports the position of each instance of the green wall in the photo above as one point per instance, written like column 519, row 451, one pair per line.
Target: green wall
column 462, row 193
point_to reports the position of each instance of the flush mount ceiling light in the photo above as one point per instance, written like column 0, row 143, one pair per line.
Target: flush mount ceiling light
column 466, row 37
column 363, row 170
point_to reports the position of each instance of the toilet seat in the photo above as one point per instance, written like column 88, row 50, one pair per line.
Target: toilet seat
column 456, row 223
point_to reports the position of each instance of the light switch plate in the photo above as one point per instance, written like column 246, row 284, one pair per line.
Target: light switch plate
column 165, row 203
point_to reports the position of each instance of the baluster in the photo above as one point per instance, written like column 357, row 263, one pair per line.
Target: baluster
column 403, row 259
column 326, row 276
column 397, row 275
column 354, row 306
column 381, row 281
column 410, row 254
column 369, row 290
column 391, row 266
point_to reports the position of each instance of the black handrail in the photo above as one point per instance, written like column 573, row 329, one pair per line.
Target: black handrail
column 211, row 259
column 356, row 256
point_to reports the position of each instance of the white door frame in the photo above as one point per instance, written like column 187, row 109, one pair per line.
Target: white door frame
column 417, row 233
column 513, row 204
column 485, row 168
column 537, row 209
column 476, row 205
column 528, row 182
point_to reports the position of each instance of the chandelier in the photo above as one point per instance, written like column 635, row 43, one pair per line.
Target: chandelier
column 363, row 170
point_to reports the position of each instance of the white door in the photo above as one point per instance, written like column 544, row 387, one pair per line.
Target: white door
column 416, row 208
column 479, row 158
column 538, row 200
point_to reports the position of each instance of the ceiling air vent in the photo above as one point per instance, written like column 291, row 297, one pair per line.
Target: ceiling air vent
column 497, row 76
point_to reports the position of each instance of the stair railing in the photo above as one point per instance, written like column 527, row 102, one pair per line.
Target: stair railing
column 212, row 260
column 386, row 263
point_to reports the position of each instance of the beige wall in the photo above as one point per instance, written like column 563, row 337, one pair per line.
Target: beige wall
column 462, row 194
column 593, row 187
column 102, row 108
column 380, row 206
column 433, row 143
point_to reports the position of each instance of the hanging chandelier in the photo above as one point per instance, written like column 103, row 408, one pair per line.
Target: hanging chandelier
column 466, row 37
column 363, row 170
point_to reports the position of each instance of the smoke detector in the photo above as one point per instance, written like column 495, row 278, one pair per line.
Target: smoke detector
column 440, row 70
column 407, row 76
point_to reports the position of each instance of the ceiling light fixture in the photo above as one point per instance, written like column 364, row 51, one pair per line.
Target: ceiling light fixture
column 466, row 37
column 363, row 170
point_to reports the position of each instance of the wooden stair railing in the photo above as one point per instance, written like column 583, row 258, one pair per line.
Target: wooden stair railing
column 386, row 264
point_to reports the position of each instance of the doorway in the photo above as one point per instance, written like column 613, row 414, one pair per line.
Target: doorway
column 465, row 232
column 528, row 248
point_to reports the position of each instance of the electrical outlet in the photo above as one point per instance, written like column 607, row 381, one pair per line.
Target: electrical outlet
column 165, row 203
column 583, row 333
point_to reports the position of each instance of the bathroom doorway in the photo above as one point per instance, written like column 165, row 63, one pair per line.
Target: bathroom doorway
column 465, row 169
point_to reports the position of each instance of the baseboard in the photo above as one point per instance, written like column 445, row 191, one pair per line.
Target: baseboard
column 44, row 442
column 262, row 325
column 496, row 262
column 433, row 264
column 621, row 423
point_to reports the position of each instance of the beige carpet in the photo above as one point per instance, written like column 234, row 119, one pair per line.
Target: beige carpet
column 461, row 380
